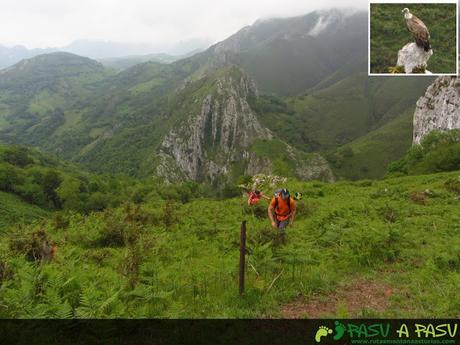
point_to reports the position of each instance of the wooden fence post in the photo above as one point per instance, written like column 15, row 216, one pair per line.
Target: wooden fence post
column 242, row 255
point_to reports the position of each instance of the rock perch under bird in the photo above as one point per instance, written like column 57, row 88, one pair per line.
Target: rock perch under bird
column 414, row 58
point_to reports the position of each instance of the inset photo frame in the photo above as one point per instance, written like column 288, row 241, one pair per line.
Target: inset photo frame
column 415, row 38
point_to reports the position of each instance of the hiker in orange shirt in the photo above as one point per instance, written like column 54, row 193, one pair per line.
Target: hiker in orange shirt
column 281, row 210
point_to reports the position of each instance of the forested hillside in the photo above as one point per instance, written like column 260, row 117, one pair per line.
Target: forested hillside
column 307, row 83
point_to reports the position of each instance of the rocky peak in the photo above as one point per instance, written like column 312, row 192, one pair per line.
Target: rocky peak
column 439, row 108
column 218, row 136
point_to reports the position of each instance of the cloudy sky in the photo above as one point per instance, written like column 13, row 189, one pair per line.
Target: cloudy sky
column 55, row 23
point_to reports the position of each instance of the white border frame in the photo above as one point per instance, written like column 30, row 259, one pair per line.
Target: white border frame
column 406, row 2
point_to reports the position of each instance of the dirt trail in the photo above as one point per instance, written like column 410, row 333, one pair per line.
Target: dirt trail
column 361, row 294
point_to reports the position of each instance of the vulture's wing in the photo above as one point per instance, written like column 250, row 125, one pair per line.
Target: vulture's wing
column 419, row 31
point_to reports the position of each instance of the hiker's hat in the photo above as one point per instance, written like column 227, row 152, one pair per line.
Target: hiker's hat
column 284, row 193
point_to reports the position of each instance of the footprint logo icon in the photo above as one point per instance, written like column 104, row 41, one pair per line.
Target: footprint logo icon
column 322, row 332
column 339, row 330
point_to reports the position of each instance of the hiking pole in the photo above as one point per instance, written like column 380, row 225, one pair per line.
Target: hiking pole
column 242, row 255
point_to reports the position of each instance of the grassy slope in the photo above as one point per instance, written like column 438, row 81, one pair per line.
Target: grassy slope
column 184, row 261
column 45, row 95
column 14, row 210
column 389, row 34
column 284, row 160
column 361, row 113
column 373, row 152
column 131, row 115
column 284, row 59
column 342, row 112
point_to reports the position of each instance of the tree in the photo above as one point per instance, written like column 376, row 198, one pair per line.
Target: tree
column 69, row 194
column 51, row 181
column 33, row 193
column 97, row 202
column 8, row 178
column 17, row 156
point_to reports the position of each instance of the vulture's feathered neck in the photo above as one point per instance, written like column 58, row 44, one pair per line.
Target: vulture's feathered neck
column 408, row 15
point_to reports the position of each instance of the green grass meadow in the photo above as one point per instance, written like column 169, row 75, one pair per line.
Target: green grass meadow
column 127, row 248
column 388, row 34
column 167, row 259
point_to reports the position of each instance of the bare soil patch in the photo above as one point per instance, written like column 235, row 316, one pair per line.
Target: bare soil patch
column 358, row 296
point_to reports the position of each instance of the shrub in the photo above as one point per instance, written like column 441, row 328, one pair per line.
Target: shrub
column 259, row 210
column 453, row 185
column 139, row 195
column 100, row 255
column 116, row 232
column 18, row 156
column 169, row 217
column 347, row 152
column 389, row 214
column 418, row 198
column 94, row 186
column 131, row 265
column 244, row 180
column 364, row 183
column 33, row 193
column 112, row 234
column 97, row 202
column 8, row 178
column 69, row 194
column 230, row 191
column 60, row 221
column 138, row 215
column 36, row 245
column 6, row 272
column 305, row 208
column 51, row 181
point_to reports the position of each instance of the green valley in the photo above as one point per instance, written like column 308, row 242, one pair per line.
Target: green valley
column 124, row 184
column 166, row 257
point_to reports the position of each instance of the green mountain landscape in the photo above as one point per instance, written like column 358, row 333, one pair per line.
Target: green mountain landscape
column 130, row 248
column 120, row 187
column 121, row 119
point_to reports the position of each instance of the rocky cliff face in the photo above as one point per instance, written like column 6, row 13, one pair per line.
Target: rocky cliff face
column 216, row 141
column 438, row 109
column 206, row 144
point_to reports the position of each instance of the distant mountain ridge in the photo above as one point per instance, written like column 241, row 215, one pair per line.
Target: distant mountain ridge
column 309, row 91
column 12, row 55
column 103, row 50
column 125, row 62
